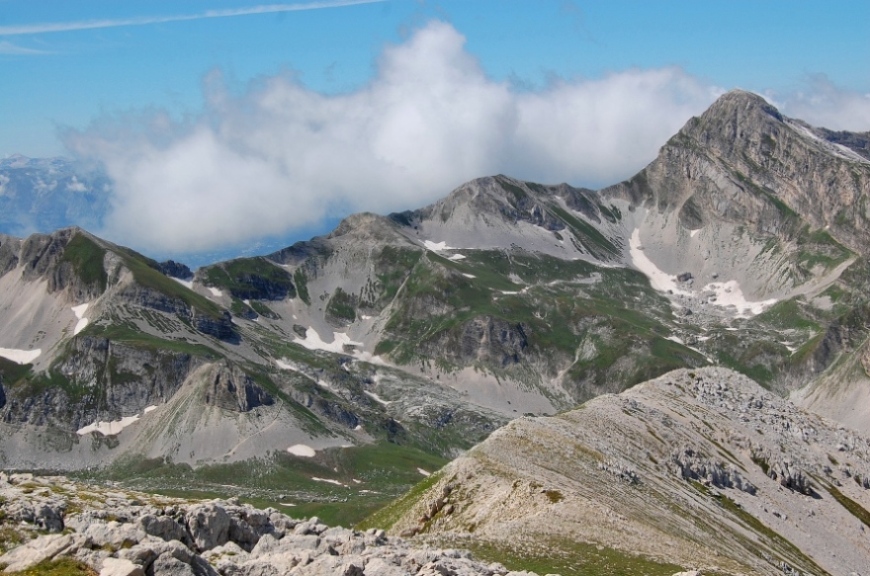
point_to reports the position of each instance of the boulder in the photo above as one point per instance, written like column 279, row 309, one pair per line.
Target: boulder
column 209, row 526
column 120, row 567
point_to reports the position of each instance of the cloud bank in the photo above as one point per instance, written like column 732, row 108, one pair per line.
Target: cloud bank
column 281, row 157
column 822, row 103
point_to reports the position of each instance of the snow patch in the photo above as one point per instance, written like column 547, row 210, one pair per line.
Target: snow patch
column 114, row 427
column 724, row 294
column 313, row 341
column 676, row 339
column 215, row 292
column 186, row 283
column 302, row 450
column 377, row 398
column 469, row 275
column 20, row 356
column 79, row 311
column 729, row 294
column 108, row 428
column 285, row 365
column 424, row 472
column 694, row 233
column 436, row 246
column 456, row 257
column 328, row 481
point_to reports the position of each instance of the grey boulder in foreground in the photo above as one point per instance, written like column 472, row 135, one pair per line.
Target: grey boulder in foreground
column 120, row 533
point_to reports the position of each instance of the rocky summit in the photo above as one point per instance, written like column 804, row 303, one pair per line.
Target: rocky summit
column 339, row 372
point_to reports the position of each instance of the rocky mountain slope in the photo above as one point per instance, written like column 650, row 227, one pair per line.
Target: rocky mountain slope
column 54, row 524
column 376, row 352
column 699, row 468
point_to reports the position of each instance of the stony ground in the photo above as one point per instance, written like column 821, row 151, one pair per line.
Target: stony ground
column 121, row 533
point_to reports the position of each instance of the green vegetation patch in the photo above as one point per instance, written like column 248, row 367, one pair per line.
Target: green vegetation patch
column 853, row 507
column 147, row 276
column 252, row 279
column 371, row 477
column 569, row 558
column 386, row 517
column 789, row 552
column 86, row 257
column 133, row 336
column 58, row 567
column 301, row 280
column 341, row 307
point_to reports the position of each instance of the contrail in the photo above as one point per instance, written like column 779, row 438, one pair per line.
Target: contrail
column 17, row 30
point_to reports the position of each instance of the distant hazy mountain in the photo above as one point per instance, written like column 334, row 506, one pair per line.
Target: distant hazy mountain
column 44, row 194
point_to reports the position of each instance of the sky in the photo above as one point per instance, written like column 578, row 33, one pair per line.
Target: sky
column 225, row 123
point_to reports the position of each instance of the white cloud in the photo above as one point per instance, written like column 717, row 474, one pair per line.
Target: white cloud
column 282, row 157
column 50, row 27
column 75, row 186
column 824, row 104
column 7, row 47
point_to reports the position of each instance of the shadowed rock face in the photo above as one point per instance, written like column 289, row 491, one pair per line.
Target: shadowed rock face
column 232, row 389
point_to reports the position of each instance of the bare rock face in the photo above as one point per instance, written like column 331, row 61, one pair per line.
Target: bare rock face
column 744, row 162
column 232, row 389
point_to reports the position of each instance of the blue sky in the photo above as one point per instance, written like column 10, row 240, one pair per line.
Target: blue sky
column 404, row 98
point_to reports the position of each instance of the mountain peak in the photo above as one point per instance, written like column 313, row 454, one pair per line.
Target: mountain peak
column 741, row 101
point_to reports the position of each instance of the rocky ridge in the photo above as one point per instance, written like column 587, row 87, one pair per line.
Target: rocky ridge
column 699, row 468
column 121, row 533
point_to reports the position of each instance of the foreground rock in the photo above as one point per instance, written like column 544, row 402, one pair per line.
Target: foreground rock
column 118, row 533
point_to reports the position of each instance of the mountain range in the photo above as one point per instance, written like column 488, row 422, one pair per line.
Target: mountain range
column 334, row 373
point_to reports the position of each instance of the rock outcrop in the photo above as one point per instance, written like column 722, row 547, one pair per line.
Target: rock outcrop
column 118, row 533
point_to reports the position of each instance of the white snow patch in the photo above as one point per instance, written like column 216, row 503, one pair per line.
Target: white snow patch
column 79, row 311
column 20, row 356
column 368, row 492
column 725, row 294
column 116, row 426
column 424, row 472
column 215, row 292
column 436, row 246
column 302, row 450
column 730, row 294
column 377, row 398
column 457, row 257
column 313, row 341
column 288, row 504
column 186, row 283
column 364, row 317
column 469, row 275
column 659, row 279
column 676, row 339
column 703, row 338
column 355, row 481
column 108, row 428
column 328, row 481
column 285, row 366
column 694, row 233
